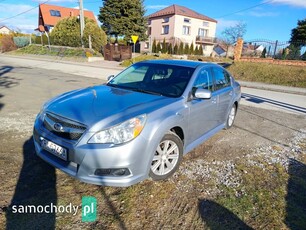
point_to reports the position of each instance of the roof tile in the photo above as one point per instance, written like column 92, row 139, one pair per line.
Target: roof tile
column 44, row 10
column 180, row 10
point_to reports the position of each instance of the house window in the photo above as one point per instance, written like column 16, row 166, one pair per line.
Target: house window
column 165, row 29
column 149, row 22
column 55, row 13
column 149, row 31
column 203, row 32
column 186, row 20
column 186, row 30
column 165, row 19
column 206, row 24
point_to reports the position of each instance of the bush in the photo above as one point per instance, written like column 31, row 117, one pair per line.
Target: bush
column 67, row 33
column 21, row 41
column 7, row 44
column 154, row 48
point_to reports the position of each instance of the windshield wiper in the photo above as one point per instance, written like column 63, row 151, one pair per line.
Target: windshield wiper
column 145, row 91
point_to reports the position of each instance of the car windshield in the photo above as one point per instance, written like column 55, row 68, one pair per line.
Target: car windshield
column 159, row 79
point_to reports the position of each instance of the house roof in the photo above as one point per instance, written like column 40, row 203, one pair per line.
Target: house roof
column 180, row 10
column 4, row 27
column 44, row 12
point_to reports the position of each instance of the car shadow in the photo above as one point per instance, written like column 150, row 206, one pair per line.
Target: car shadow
column 1, row 104
column 5, row 69
column 113, row 209
column 259, row 100
column 216, row 217
column 36, row 186
column 296, row 196
column 7, row 82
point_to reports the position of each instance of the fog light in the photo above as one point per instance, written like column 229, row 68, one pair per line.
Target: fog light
column 112, row 172
column 102, row 172
column 119, row 172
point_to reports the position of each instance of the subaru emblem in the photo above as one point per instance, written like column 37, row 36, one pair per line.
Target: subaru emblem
column 58, row 127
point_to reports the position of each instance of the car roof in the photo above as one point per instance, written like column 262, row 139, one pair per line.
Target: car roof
column 185, row 63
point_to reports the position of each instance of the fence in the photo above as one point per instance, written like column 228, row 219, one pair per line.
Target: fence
column 117, row 52
column 274, row 49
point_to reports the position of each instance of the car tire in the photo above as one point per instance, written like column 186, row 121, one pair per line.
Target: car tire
column 231, row 117
column 167, row 157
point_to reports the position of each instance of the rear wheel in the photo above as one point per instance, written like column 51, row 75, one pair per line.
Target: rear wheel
column 167, row 157
column 231, row 117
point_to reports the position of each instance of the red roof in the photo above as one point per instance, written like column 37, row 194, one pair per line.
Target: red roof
column 48, row 19
column 180, row 10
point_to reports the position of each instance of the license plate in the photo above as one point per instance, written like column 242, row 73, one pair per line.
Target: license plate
column 54, row 149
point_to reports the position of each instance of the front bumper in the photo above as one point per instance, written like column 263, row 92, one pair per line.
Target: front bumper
column 84, row 160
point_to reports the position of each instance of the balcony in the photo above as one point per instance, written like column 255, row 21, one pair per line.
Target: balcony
column 206, row 40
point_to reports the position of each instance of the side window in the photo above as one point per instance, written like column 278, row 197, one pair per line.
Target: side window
column 204, row 80
column 227, row 77
column 222, row 79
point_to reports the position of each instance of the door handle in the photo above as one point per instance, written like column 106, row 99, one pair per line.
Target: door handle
column 230, row 93
column 214, row 101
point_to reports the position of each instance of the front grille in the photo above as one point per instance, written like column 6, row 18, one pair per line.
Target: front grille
column 71, row 130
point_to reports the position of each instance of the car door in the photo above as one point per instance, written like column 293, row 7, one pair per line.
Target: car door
column 202, row 116
column 224, row 91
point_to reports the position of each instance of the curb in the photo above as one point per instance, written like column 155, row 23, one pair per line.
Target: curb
column 276, row 88
column 59, row 59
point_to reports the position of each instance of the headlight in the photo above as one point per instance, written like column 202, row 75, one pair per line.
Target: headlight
column 121, row 133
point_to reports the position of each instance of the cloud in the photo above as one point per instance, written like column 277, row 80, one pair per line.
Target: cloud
column 8, row 10
column 26, row 22
column 222, row 24
column 263, row 14
column 156, row 7
column 295, row 3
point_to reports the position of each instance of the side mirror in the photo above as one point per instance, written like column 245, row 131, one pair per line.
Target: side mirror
column 202, row 94
column 109, row 78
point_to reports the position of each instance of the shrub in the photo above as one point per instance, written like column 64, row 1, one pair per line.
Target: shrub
column 181, row 49
column 154, row 46
column 7, row 44
column 67, row 33
column 191, row 49
column 21, row 41
column 88, row 54
column 175, row 49
column 164, row 47
column 186, row 49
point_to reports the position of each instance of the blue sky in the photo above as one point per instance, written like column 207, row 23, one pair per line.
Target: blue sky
column 265, row 19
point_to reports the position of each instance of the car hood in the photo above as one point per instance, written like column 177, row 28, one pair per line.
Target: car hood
column 94, row 104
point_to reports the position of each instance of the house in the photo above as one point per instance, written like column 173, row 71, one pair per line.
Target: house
column 222, row 50
column 5, row 30
column 252, row 50
column 49, row 15
column 178, row 24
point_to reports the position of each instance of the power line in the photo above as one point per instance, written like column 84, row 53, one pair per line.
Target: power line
column 23, row 12
column 239, row 11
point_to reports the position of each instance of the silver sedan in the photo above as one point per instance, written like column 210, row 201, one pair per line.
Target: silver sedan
column 137, row 125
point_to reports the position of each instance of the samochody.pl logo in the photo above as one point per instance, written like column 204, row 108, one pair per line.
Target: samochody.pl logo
column 89, row 209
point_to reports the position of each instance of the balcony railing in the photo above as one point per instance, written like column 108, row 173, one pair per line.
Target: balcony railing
column 206, row 40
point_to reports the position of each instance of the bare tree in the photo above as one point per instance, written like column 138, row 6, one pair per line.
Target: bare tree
column 232, row 33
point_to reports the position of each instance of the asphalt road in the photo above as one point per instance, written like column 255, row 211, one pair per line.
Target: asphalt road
column 259, row 98
column 263, row 124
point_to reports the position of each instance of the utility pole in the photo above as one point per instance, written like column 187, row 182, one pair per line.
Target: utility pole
column 82, row 22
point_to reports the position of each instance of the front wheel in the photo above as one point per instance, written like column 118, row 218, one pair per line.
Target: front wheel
column 167, row 157
column 231, row 117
